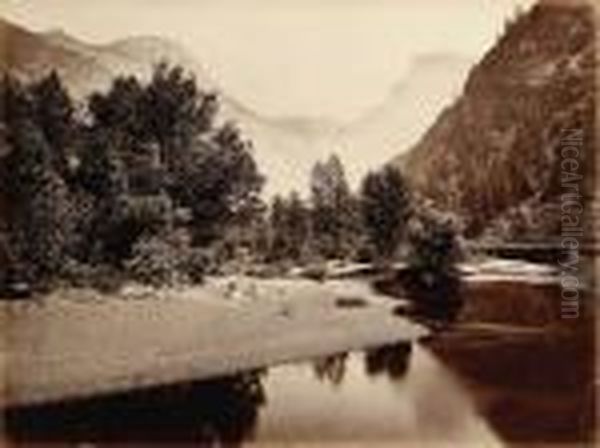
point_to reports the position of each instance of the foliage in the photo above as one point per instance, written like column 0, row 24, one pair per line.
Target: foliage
column 433, row 246
column 39, row 225
column 386, row 207
column 153, row 261
column 334, row 211
column 433, row 253
column 53, row 111
column 290, row 227
column 102, row 277
column 195, row 265
column 147, row 183
column 218, row 180
column 536, row 219
column 103, row 187
column 98, row 172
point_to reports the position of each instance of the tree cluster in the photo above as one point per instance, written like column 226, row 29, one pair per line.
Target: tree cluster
column 140, row 179
column 326, row 226
column 143, row 182
column 382, row 223
column 336, row 223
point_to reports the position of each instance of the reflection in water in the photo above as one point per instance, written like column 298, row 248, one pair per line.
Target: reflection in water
column 221, row 412
column 519, row 383
column 391, row 359
column 331, row 368
column 440, row 300
column 396, row 395
column 359, row 397
column 532, row 376
column 435, row 301
column 529, row 372
column 528, row 378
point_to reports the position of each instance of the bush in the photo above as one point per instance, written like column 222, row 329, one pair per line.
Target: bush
column 432, row 276
column 433, row 248
column 153, row 261
column 102, row 277
column 164, row 261
column 195, row 265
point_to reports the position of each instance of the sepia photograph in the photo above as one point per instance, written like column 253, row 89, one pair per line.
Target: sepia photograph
column 299, row 223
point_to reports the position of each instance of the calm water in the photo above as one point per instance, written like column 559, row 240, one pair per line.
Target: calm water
column 457, row 390
column 397, row 392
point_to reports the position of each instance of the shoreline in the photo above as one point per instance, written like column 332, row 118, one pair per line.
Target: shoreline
column 75, row 349
column 80, row 343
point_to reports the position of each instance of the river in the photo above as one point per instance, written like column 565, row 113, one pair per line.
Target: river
column 491, row 384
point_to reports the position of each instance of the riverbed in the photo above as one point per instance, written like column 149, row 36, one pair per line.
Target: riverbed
column 249, row 362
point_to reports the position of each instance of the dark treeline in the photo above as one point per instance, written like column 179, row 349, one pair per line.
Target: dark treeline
column 336, row 223
column 136, row 182
column 143, row 182
column 381, row 223
column 327, row 226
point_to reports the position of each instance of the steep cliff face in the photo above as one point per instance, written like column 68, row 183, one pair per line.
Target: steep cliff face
column 494, row 155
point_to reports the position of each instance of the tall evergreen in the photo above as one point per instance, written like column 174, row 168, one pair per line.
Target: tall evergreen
column 385, row 201
column 290, row 228
column 40, row 198
column 334, row 210
column 53, row 112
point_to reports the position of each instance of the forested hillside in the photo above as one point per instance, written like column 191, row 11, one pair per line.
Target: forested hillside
column 493, row 156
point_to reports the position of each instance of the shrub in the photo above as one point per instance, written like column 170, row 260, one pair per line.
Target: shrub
column 432, row 277
column 433, row 248
column 195, row 265
column 102, row 277
column 153, row 261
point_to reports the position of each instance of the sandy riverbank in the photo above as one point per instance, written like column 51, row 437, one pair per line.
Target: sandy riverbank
column 76, row 343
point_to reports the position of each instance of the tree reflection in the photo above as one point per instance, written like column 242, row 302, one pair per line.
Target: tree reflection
column 218, row 412
column 393, row 360
column 434, row 299
column 331, row 368
column 440, row 300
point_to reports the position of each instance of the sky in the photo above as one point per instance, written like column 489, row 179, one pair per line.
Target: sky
column 317, row 58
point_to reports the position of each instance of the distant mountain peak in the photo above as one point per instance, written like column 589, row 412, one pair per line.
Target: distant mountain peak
column 146, row 43
column 57, row 33
column 453, row 65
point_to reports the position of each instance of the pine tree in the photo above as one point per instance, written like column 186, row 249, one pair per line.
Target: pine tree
column 53, row 112
column 334, row 217
column 40, row 224
column 290, row 228
column 385, row 202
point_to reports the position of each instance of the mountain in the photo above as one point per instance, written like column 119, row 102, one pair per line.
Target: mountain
column 85, row 67
column 285, row 147
column 432, row 82
column 29, row 55
column 290, row 146
column 493, row 156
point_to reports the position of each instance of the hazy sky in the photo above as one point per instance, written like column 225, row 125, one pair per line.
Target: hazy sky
column 294, row 57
